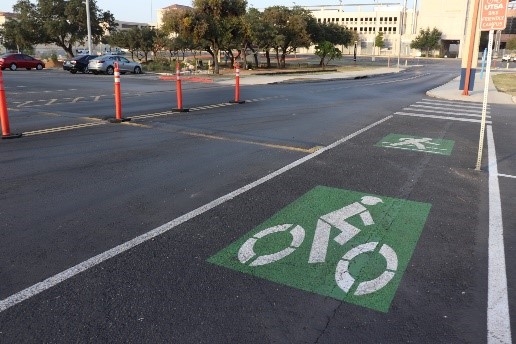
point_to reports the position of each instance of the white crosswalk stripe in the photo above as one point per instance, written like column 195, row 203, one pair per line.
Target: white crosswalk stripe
column 445, row 110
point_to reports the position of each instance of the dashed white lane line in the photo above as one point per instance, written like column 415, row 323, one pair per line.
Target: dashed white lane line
column 506, row 176
column 498, row 319
column 115, row 251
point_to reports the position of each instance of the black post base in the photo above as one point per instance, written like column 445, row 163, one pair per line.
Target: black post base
column 116, row 120
column 181, row 110
column 11, row 136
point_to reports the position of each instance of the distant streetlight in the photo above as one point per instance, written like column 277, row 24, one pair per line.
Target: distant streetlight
column 88, row 24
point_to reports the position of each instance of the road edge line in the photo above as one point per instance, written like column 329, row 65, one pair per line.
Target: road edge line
column 498, row 319
column 50, row 282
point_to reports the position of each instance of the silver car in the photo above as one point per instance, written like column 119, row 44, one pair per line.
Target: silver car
column 106, row 64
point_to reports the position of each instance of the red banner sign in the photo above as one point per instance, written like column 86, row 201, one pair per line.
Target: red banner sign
column 493, row 15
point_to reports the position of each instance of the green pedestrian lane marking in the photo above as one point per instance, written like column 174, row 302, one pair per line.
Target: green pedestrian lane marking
column 416, row 143
column 347, row 245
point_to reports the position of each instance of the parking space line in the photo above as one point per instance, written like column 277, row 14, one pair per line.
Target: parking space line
column 423, row 107
column 447, row 112
column 506, row 176
column 448, row 104
column 440, row 117
column 115, row 251
column 498, row 319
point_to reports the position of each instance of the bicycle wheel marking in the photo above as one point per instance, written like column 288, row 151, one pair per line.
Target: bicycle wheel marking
column 343, row 244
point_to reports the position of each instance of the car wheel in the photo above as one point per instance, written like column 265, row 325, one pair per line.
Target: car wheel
column 73, row 71
column 110, row 70
column 95, row 72
column 39, row 66
column 137, row 70
column 12, row 66
column 85, row 70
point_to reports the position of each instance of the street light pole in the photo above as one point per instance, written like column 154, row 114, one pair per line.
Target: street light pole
column 402, row 27
column 88, row 24
column 355, row 52
column 375, row 29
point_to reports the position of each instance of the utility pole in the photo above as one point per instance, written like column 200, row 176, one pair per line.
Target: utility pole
column 402, row 28
column 88, row 23
column 467, row 74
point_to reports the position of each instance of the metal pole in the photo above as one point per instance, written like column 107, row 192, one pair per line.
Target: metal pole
column 88, row 23
column 355, row 52
column 484, row 104
column 476, row 5
column 375, row 30
column 402, row 24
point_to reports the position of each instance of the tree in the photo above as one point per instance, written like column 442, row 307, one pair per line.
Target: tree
column 511, row 44
column 214, row 23
column 60, row 22
column 262, row 34
column 327, row 52
column 378, row 41
column 292, row 29
column 427, row 40
column 21, row 34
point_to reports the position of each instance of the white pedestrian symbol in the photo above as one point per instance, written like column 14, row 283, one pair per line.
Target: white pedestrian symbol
column 410, row 141
column 337, row 219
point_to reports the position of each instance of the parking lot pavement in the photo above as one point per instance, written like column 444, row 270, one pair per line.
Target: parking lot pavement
column 387, row 235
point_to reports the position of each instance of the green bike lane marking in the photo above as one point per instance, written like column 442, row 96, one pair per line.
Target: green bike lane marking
column 347, row 245
column 417, row 143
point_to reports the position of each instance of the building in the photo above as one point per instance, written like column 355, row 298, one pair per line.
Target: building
column 396, row 24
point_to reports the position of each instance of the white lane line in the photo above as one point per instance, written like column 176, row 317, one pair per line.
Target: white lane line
column 479, row 106
column 75, row 100
column 96, row 99
column 445, row 107
column 506, row 175
column 498, row 319
column 25, row 103
column 446, row 112
column 115, row 251
column 433, row 100
column 410, row 114
column 52, row 101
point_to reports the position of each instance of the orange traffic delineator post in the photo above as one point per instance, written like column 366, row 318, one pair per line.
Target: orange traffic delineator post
column 237, row 86
column 118, row 98
column 4, row 117
column 179, row 91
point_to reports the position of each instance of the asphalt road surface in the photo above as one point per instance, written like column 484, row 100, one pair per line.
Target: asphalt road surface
column 316, row 212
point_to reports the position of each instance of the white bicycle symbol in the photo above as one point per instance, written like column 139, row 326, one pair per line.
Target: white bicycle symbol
column 319, row 248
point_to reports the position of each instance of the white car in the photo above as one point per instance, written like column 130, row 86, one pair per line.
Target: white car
column 507, row 57
column 106, row 64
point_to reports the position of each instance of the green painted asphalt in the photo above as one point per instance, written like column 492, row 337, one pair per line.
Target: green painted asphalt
column 284, row 248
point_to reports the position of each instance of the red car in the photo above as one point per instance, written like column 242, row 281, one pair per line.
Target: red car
column 15, row 61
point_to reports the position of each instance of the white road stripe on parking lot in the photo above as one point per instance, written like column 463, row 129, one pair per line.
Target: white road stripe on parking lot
column 498, row 319
column 411, row 114
column 446, row 112
column 448, row 104
column 506, row 176
column 51, row 101
column 115, row 251
column 471, row 110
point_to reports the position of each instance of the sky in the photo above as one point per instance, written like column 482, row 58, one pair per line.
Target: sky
column 145, row 11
